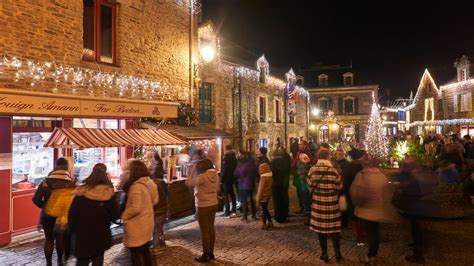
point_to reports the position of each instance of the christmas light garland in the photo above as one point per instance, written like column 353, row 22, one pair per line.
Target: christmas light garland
column 83, row 80
column 448, row 122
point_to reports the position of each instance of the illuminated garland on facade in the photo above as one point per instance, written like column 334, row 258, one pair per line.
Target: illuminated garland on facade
column 84, row 81
column 449, row 122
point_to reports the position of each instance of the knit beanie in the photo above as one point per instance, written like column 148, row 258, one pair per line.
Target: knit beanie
column 263, row 150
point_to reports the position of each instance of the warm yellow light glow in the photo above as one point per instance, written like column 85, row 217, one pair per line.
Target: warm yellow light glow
column 208, row 53
column 315, row 111
column 312, row 127
column 334, row 126
column 384, row 117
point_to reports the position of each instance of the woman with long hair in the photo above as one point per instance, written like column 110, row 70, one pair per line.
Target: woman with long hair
column 325, row 182
column 142, row 195
column 93, row 209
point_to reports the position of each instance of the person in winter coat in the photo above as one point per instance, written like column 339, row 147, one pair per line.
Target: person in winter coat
column 229, row 163
column 262, row 157
column 156, row 167
column 160, row 209
column 206, row 188
column 264, row 193
column 349, row 173
column 280, row 166
column 93, row 209
column 303, row 163
column 369, row 194
column 59, row 178
column 326, row 183
column 138, row 221
column 246, row 174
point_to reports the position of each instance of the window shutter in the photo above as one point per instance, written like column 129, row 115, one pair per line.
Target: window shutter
column 469, row 102
column 455, row 103
column 340, row 106
column 356, row 105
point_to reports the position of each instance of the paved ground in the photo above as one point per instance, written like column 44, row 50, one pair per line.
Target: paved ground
column 448, row 242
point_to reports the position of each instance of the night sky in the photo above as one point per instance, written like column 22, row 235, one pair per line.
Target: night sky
column 391, row 43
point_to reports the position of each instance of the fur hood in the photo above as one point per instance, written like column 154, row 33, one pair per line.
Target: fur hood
column 98, row 193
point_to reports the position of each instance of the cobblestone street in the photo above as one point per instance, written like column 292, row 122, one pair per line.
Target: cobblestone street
column 448, row 242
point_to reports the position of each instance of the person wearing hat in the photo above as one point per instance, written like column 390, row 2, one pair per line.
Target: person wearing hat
column 59, row 178
column 262, row 157
column 349, row 173
column 264, row 193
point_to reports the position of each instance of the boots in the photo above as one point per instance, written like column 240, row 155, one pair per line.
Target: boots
column 270, row 224
column 323, row 242
column 336, row 245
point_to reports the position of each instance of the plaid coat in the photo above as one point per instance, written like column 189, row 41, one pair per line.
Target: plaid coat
column 325, row 183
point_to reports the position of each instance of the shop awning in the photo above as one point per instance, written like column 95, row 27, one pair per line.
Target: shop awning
column 197, row 132
column 93, row 138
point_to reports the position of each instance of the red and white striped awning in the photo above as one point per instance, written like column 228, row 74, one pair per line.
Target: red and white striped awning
column 93, row 138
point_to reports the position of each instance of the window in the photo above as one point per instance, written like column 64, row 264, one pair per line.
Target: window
column 348, row 78
column 323, row 105
column 205, row 103
column 262, row 109
column 277, row 111
column 99, row 31
column 323, row 134
column 428, row 86
column 463, row 74
column 455, row 103
column 348, row 106
column 466, row 102
column 439, row 129
column 263, row 74
column 263, row 143
column 323, row 80
column 349, row 132
column 401, row 116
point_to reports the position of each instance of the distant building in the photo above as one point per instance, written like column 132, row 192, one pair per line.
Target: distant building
column 340, row 102
column 395, row 117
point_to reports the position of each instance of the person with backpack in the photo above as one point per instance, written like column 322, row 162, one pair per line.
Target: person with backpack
column 160, row 209
column 138, row 215
column 58, row 179
column 93, row 209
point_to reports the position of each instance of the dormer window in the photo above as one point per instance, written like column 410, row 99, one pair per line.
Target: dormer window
column 263, row 69
column 323, row 80
column 348, row 79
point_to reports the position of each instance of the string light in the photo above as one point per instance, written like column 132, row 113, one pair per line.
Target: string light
column 448, row 122
column 376, row 141
column 85, row 81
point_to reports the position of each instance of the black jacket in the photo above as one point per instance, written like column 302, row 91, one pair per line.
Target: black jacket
column 229, row 163
column 280, row 166
column 90, row 215
column 349, row 171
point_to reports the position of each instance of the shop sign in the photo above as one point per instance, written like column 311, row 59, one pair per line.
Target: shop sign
column 27, row 104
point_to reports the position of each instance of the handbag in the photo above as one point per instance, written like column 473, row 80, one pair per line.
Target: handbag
column 342, row 203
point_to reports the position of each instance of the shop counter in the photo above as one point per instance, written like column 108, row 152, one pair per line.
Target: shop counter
column 25, row 213
column 181, row 199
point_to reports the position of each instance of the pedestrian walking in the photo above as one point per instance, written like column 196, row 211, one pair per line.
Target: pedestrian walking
column 264, row 193
column 369, row 194
column 161, row 208
column 93, row 209
column 138, row 221
column 206, row 188
column 326, row 183
column 57, row 180
column 280, row 166
column 246, row 174
column 229, row 163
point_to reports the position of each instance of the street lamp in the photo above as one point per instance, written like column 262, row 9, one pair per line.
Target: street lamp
column 207, row 53
column 315, row 111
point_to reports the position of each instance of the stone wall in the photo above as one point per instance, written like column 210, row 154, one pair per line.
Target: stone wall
column 153, row 37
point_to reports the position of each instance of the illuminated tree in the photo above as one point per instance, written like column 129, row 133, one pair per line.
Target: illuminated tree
column 376, row 141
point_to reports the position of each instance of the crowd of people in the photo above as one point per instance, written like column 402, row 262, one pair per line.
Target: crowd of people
column 334, row 189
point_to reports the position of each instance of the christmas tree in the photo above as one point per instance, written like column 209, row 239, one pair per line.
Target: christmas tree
column 376, row 141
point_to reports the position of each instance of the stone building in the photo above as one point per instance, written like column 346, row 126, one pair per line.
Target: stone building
column 340, row 102
column 248, row 100
column 457, row 99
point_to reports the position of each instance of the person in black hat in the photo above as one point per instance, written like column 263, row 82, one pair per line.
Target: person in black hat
column 348, row 174
column 262, row 157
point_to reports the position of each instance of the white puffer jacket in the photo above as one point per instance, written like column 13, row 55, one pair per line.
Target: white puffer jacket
column 138, row 214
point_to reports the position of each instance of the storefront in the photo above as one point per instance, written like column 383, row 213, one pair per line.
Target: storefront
column 27, row 123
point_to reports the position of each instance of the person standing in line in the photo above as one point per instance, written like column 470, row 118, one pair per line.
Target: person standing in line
column 302, row 162
column 326, row 183
column 206, row 188
column 341, row 163
column 229, row 163
column 264, row 193
column 160, row 209
column 313, row 147
column 280, row 166
column 59, row 178
column 93, row 209
column 138, row 221
column 349, row 173
column 368, row 193
column 262, row 157
column 246, row 174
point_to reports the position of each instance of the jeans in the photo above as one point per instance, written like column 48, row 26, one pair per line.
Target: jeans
column 206, row 217
column 373, row 238
column 158, row 232
column 323, row 242
column 141, row 255
column 228, row 191
column 96, row 261
column 417, row 236
column 244, row 195
column 302, row 191
column 265, row 213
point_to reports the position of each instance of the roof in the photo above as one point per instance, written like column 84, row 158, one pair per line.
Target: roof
column 93, row 138
column 335, row 75
column 197, row 132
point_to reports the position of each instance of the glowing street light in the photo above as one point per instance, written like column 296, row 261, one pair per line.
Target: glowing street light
column 208, row 53
column 315, row 111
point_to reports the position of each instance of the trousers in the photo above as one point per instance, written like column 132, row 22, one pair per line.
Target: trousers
column 206, row 217
column 229, row 196
column 141, row 255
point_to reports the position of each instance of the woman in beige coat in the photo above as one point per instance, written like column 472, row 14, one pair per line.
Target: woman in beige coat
column 369, row 193
column 264, row 193
column 142, row 195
